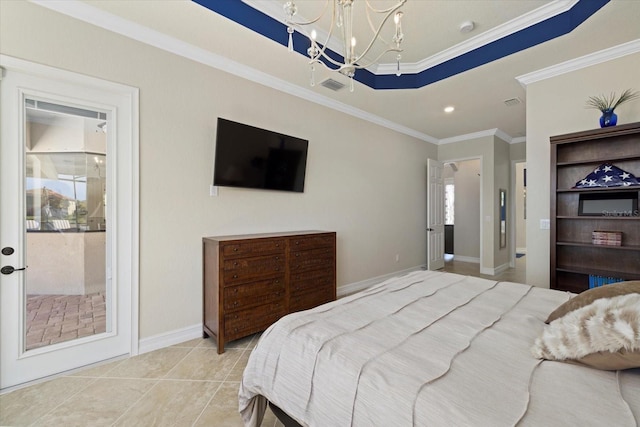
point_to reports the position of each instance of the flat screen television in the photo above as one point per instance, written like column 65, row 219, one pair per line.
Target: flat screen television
column 250, row 157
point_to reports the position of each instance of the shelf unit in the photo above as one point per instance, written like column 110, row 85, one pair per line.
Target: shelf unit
column 573, row 256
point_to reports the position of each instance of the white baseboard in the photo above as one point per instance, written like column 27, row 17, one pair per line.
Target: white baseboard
column 466, row 259
column 352, row 288
column 177, row 336
column 493, row 271
column 167, row 339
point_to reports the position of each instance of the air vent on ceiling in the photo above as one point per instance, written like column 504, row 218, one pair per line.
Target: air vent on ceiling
column 512, row 101
column 332, row 84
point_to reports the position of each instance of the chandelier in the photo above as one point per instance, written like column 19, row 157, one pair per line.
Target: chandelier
column 342, row 22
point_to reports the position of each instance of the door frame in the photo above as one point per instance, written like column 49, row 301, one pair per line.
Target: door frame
column 480, row 219
column 513, row 179
column 127, row 178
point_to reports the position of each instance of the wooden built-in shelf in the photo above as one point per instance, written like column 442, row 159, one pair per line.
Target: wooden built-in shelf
column 598, row 189
column 597, row 272
column 591, row 245
column 597, row 162
column 600, row 218
column 573, row 156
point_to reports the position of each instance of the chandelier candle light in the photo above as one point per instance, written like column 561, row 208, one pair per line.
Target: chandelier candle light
column 342, row 20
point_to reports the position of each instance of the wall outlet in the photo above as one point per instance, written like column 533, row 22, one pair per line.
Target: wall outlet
column 545, row 224
column 213, row 190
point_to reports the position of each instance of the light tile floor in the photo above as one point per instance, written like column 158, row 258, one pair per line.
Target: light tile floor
column 517, row 274
column 188, row 384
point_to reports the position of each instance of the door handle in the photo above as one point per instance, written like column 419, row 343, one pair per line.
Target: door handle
column 430, row 229
column 8, row 269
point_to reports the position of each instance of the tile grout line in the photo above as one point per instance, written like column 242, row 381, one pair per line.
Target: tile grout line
column 221, row 384
column 157, row 380
column 64, row 401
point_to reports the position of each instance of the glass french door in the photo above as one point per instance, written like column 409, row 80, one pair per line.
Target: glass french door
column 62, row 306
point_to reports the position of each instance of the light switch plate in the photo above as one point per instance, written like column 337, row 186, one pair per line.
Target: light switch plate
column 545, row 224
column 213, row 190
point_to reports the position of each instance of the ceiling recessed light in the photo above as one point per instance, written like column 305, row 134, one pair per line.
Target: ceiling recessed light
column 449, row 109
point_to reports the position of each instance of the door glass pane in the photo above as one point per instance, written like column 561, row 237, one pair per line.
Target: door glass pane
column 65, row 199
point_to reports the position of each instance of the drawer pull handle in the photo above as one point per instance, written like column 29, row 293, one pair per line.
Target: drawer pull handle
column 235, row 264
column 235, row 303
column 235, row 249
column 297, row 243
column 235, row 291
column 277, row 258
column 235, row 276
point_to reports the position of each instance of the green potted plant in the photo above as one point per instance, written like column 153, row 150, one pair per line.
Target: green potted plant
column 606, row 104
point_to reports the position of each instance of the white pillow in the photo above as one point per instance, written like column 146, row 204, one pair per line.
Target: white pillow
column 604, row 334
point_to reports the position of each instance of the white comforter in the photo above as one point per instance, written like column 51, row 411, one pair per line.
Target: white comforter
column 430, row 349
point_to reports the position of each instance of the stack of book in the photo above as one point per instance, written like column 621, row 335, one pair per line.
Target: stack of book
column 608, row 238
column 596, row 281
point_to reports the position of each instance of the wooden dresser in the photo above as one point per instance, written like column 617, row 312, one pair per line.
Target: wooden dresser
column 250, row 281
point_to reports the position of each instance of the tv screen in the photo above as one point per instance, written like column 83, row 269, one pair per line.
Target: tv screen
column 250, row 157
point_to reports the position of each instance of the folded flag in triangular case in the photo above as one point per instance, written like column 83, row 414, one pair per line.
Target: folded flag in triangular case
column 607, row 175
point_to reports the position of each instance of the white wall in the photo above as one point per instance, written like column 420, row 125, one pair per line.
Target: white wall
column 495, row 157
column 556, row 106
column 363, row 181
column 467, row 210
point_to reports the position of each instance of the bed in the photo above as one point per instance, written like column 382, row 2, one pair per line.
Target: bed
column 434, row 349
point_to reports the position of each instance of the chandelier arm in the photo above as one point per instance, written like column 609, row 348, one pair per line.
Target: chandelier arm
column 321, row 53
column 360, row 67
column 377, row 34
column 391, row 9
column 354, row 65
column 313, row 21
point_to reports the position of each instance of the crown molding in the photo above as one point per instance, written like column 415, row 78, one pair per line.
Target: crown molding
column 520, row 23
column 94, row 16
column 481, row 134
column 581, row 62
column 113, row 23
column 549, row 10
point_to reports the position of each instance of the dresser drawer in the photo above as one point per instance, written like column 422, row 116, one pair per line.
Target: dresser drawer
column 311, row 241
column 240, row 297
column 253, row 248
column 249, row 269
column 246, row 322
column 310, row 300
column 312, row 260
column 305, row 282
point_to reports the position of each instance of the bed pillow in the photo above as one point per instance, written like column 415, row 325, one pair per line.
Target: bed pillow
column 604, row 334
column 587, row 297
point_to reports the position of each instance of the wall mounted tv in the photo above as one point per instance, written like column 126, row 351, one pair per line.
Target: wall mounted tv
column 250, row 157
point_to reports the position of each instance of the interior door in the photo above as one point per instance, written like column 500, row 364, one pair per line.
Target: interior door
column 435, row 215
column 65, row 290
